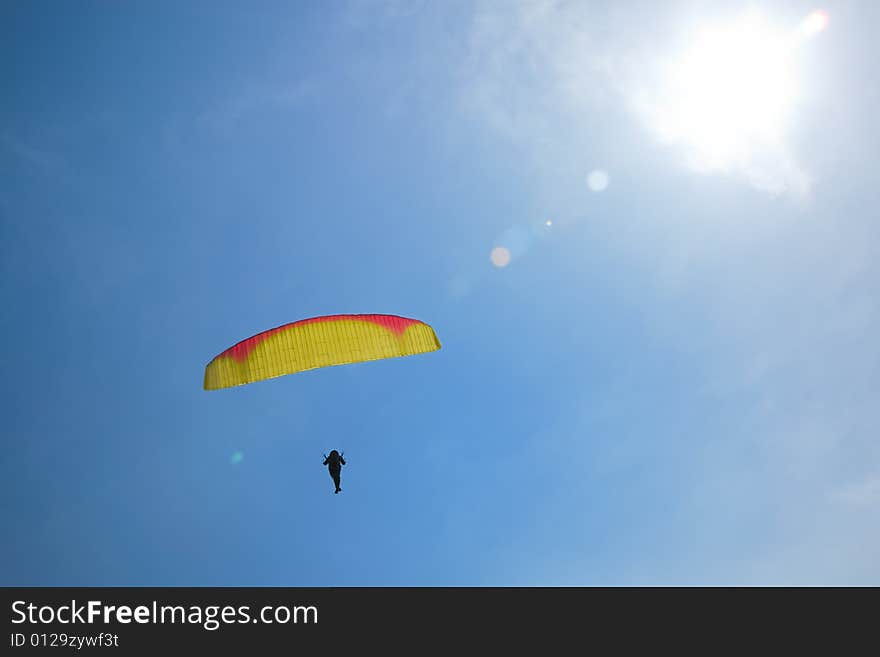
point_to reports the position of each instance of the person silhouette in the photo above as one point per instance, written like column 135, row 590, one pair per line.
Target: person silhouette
column 334, row 464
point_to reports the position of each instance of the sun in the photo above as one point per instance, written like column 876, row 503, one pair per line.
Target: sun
column 730, row 90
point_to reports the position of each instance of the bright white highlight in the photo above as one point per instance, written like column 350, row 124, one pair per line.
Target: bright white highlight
column 597, row 180
column 731, row 91
column 814, row 23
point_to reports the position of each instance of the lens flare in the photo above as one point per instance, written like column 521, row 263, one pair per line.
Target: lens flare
column 814, row 23
column 500, row 257
column 597, row 180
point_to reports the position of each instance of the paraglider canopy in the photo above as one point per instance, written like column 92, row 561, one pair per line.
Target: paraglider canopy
column 318, row 342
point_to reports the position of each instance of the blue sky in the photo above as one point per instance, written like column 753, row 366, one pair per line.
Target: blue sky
column 671, row 379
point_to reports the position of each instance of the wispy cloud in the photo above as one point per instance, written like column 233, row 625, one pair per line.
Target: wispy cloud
column 536, row 69
column 228, row 115
column 362, row 14
column 862, row 493
column 26, row 154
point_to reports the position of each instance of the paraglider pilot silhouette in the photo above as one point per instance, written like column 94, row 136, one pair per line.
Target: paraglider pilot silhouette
column 334, row 464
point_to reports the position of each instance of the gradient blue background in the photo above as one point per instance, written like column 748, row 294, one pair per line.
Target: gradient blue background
column 673, row 383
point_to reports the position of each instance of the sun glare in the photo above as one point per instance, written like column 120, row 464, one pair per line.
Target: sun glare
column 814, row 23
column 732, row 89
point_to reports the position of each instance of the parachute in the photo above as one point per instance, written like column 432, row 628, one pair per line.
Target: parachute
column 318, row 342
